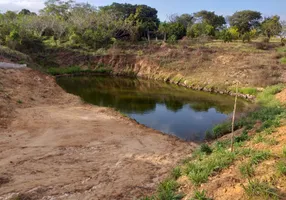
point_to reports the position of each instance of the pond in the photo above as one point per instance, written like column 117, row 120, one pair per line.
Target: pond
column 171, row 109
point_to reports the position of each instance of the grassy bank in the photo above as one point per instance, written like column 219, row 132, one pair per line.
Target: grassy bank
column 76, row 70
column 211, row 160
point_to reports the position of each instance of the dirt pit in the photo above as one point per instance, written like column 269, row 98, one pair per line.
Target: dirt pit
column 53, row 146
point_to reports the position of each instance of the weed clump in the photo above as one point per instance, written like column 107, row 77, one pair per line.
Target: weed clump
column 256, row 188
column 200, row 195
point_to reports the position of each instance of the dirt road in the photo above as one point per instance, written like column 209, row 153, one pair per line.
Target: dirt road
column 55, row 147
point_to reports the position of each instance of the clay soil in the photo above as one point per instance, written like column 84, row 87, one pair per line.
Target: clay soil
column 53, row 146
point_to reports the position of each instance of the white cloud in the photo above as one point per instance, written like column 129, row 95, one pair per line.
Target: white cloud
column 17, row 5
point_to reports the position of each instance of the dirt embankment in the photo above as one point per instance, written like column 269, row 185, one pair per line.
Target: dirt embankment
column 213, row 69
column 53, row 146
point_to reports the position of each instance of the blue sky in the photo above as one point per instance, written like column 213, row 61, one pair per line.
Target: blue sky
column 167, row 7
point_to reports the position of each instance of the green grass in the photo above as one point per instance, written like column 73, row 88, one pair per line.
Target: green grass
column 281, row 167
column 167, row 190
column 283, row 60
column 19, row 102
column 248, row 90
column 269, row 114
column 281, row 50
column 176, row 173
column 76, row 69
column 200, row 195
column 256, row 189
column 259, row 156
column 246, row 170
column 199, row 170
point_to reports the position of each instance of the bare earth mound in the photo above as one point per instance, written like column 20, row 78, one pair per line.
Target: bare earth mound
column 55, row 147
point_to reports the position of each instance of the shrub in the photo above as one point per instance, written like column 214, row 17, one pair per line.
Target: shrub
column 206, row 149
column 246, row 37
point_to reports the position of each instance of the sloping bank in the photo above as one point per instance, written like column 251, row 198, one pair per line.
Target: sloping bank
column 209, row 76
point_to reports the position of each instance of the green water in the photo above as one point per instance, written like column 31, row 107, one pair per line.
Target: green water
column 183, row 112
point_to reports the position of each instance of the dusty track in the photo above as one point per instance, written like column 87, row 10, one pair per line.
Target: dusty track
column 55, row 147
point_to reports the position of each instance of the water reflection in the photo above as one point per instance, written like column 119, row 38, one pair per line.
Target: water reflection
column 165, row 107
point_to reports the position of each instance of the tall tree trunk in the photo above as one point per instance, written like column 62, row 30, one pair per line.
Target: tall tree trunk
column 148, row 35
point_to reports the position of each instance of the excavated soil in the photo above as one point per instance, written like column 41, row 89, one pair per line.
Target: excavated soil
column 53, row 146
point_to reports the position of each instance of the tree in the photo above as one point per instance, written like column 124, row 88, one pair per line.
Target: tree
column 210, row 18
column 24, row 12
column 283, row 32
column 271, row 26
column 142, row 16
column 200, row 29
column 58, row 8
column 186, row 20
column 176, row 30
column 245, row 20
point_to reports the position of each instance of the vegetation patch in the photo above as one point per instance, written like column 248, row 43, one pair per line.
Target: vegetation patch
column 263, row 189
column 200, row 195
column 269, row 115
column 199, row 170
column 75, row 70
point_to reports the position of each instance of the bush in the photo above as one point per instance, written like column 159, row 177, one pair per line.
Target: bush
column 246, row 37
column 172, row 39
column 204, row 148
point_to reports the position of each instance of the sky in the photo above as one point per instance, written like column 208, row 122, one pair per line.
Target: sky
column 167, row 7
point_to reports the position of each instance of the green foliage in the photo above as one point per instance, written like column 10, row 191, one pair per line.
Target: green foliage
column 246, row 170
column 176, row 173
column 243, row 137
column 19, row 102
column 246, row 37
column 270, row 114
column 205, row 148
column 226, row 36
column 68, row 70
column 175, row 31
column 167, row 190
column 200, row 29
column 256, row 188
column 283, row 60
column 210, row 18
column 281, row 167
column 245, row 20
column 172, row 39
column 271, row 26
column 248, row 90
column 259, row 156
column 234, row 33
column 200, row 195
column 199, row 170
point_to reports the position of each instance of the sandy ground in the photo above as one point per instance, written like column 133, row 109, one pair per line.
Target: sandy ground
column 55, row 147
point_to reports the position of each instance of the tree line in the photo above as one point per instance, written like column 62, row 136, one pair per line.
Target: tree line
column 78, row 25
